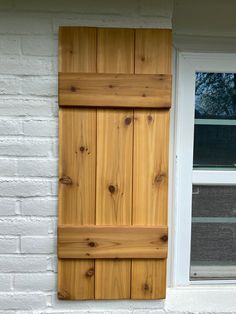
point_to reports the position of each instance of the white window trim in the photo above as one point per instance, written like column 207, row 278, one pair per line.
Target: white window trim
column 187, row 65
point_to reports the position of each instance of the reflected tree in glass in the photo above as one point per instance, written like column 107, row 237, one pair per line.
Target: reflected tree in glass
column 215, row 95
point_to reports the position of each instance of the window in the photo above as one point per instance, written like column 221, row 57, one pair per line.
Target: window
column 205, row 240
column 213, row 236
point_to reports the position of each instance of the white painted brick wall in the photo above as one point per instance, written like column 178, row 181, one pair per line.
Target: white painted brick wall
column 28, row 145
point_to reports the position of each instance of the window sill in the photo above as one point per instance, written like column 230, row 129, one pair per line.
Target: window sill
column 202, row 298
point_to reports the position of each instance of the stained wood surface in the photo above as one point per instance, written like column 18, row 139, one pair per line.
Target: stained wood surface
column 153, row 51
column 112, row 242
column 115, row 90
column 149, row 281
column 77, row 162
column 114, row 162
column 151, row 141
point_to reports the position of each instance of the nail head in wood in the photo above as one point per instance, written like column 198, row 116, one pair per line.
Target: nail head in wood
column 92, row 244
column 128, row 120
column 164, row 238
column 90, row 272
column 73, row 88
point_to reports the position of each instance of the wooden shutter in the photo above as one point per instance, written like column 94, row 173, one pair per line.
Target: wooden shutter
column 114, row 98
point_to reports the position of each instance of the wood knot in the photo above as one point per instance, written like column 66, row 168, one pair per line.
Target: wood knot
column 159, row 178
column 82, row 148
column 128, row 120
column 144, row 95
column 110, row 86
column 111, row 188
column 142, row 58
column 90, row 272
column 146, row 287
column 65, row 180
column 164, row 238
column 92, row 244
column 73, row 89
column 149, row 118
column 63, row 295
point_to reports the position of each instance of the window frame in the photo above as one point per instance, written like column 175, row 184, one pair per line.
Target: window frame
column 184, row 176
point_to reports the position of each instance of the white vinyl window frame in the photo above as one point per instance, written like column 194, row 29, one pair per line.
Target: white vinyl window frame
column 184, row 175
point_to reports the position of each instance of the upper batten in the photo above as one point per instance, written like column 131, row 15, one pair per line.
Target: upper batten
column 115, row 90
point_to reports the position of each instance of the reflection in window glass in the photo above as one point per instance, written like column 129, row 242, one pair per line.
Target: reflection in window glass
column 213, row 243
column 215, row 120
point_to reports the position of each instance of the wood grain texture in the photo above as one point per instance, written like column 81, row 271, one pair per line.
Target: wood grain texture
column 115, row 54
column 77, row 49
column 115, row 90
column 149, row 281
column 115, row 50
column 153, row 51
column 151, row 142
column 151, row 164
column 77, row 162
column 112, row 242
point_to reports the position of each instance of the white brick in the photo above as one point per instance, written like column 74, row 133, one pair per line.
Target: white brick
column 26, row 65
column 35, row 282
column 39, row 45
column 8, row 245
column 38, row 245
column 40, row 128
column 44, row 86
column 44, row 168
column 15, row 23
column 11, row 127
column 54, row 187
column 7, row 206
column 24, row 226
column 8, row 167
column 9, row 45
column 10, row 85
column 28, row 107
column 25, row 147
column 5, row 282
column 39, row 207
column 22, row 301
column 53, row 263
column 23, row 264
column 55, row 148
column 25, row 188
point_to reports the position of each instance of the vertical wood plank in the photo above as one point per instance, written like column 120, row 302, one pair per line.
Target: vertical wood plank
column 153, row 51
column 150, row 175
column 77, row 162
column 77, row 49
column 114, row 162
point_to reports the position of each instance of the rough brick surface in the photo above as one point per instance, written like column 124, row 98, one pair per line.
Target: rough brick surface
column 29, row 146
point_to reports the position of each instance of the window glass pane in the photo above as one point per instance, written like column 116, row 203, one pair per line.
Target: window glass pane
column 213, row 244
column 215, row 120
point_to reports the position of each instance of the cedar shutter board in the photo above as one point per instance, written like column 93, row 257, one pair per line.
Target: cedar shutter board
column 113, row 162
column 115, row 90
